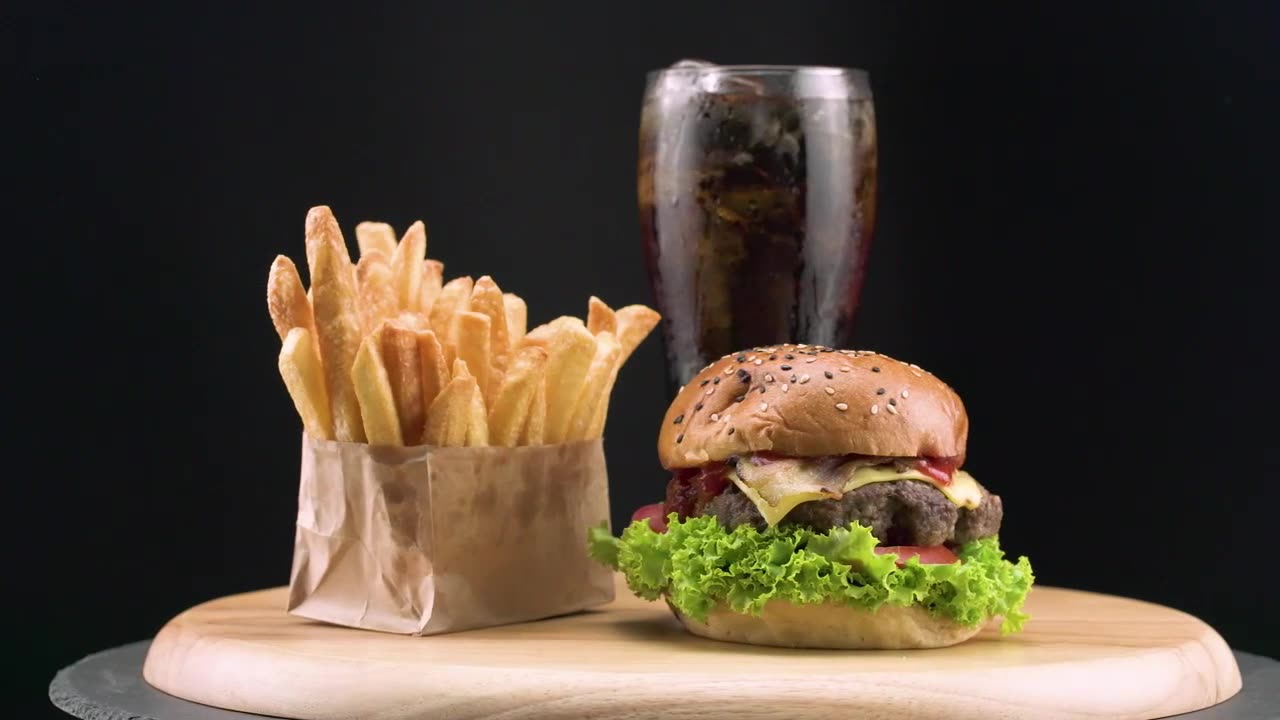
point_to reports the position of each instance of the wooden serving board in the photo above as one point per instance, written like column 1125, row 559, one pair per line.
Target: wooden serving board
column 1081, row 655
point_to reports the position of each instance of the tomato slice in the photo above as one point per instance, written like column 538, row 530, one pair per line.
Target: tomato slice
column 929, row 555
column 940, row 469
column 656, row 517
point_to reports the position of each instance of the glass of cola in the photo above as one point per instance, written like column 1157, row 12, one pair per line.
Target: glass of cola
column 757, row 194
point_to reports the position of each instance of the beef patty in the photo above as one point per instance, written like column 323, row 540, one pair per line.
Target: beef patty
column 899, row 512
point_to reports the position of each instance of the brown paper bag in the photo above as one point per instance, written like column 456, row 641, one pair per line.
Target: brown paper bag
column 425, row 540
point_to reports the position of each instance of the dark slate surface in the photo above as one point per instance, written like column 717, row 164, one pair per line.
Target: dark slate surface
column 109, row 686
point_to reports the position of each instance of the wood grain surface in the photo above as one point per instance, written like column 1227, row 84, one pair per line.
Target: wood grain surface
column 1083, row 655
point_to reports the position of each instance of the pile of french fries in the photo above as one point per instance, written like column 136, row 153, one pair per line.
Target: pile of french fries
column 383, row 351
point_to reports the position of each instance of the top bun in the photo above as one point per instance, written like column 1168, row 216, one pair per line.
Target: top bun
column 808, row 401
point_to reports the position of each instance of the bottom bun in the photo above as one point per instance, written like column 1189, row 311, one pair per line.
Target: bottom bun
column 830, row 626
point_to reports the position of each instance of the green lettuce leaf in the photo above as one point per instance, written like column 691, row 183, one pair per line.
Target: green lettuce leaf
column 698, row 564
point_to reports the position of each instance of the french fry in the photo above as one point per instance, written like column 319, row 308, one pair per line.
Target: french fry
column 602, row 412
column 399, row 346
column 377, row 402
column 432, row 282
column 338, row 334
column 286, row 299
column 477, row 423
column 460, row 369
column 606, row 393
column 535, row 425
column 448, row 418
column 412, row 320
column 511, row 405
column 376, row 236
column 435, row 371
column 600, row 317
column 385, row 352
column 570, row 349
column 635, row 322
column 406, row 266
column 598, row 382
column 517, row 317
column 473, row 347
column 377, row 297
column 304, row 378
column 322, row 229
column 486, row 298
column 455, row 297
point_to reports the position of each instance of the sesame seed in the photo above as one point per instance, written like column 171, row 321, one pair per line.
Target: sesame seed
column 731, row 431
column 784, row 368
column 740, row 398
column 844, row 368
column 906, row 394
column 724, row 417
column 710, row 390
column 913, row 372
column 915, row 366
column 764, row 406
column 768, row 377
column 773, row 357
column 679, row 419
column 809, row 360
column 680, row 438
column 875, row 409
column 800, row 345
column 875, row 369
column 842, row 407
column 761, row 388
column 893, row 401
column 715, row 417
column 751, row 358
column 891, row 409
column 697, row 407
column 728, row 370
column 741, row 358
column 757, row 361
column 681, row 389
column 827, row 374
column 789, row 356
column 879, row 391
column 830, row 390
column 793, row 377
column 716, row 381
column 803, row 379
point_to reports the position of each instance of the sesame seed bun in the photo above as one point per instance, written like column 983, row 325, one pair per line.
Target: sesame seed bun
column 807, row 401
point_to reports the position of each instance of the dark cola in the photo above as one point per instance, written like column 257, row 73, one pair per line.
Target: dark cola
column 757, row 194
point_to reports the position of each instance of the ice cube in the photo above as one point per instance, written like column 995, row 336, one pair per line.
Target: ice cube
column 692, row 64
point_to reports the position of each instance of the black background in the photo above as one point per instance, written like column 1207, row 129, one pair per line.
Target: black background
column 1077, row 231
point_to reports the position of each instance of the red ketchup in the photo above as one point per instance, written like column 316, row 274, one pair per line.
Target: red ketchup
column 940, row 469
column 691, row 489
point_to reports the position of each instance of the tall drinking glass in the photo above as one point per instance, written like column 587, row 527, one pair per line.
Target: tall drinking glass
column 757, row 192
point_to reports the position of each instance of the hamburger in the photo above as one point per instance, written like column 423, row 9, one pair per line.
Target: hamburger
column 817, row 499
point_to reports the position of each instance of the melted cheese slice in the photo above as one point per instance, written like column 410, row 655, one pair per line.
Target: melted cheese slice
column 785, row 484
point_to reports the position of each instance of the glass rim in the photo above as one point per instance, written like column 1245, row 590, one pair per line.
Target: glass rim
column 800, row 81
column 760, row 69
